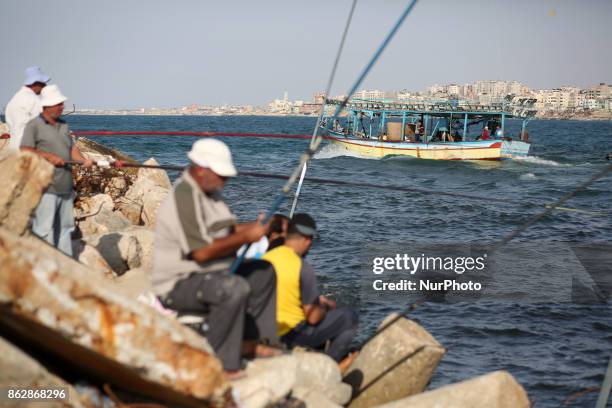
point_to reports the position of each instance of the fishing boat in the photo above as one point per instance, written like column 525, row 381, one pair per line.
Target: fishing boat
column 442, row 130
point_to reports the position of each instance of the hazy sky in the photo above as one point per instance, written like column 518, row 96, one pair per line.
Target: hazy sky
column 145, row 53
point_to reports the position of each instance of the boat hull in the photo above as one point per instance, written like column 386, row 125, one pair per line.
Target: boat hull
column 514, row 148
column 477, row 150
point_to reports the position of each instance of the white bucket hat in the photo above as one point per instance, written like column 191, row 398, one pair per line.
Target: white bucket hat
column 35, row 74
column 213, row 154
column 51, row 96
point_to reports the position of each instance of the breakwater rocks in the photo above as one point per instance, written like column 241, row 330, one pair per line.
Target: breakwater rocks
column 66, row 322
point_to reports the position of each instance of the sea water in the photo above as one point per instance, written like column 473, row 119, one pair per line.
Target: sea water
column 554, row 349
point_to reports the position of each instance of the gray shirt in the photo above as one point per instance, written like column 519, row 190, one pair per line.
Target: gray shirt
column 41, row 135
column 188, row 219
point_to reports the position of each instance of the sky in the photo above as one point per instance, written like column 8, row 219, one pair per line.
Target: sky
column 152, row 53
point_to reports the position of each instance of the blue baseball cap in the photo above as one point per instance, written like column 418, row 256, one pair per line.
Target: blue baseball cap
column 35, row 74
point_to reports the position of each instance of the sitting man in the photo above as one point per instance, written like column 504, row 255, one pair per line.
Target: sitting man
column 196, row 239
column 305, row 318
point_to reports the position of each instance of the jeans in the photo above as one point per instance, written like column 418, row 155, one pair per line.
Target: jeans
column 54, row 220
column 339, row 326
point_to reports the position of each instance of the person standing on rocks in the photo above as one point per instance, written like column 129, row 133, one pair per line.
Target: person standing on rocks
column 25, row 105
column 48, row 136
column 304, row 317
column 196, row 238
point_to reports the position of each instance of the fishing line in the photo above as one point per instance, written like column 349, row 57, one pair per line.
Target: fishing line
column 393, row 188
column 316, row 142
column 553, row 206
column 321, row 113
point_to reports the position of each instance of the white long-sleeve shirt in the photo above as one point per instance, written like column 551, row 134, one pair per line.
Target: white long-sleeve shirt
column 23, row 107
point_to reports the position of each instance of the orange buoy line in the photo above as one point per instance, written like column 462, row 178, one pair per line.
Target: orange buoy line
column 193, row 134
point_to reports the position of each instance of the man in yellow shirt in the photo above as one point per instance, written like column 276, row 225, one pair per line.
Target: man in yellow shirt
column 305, row 318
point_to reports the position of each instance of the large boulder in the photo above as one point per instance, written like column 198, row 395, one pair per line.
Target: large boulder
column 313, row 398
column 157, row 176
column 127, row 249
column 20, row 371
column 95, row 215
column 146, row 194
column 397, row 363
column 119, row 249
column 319, row 373
column 25, row 176
column 39, row 283
column 267, row 381
column 88, row 255
column 498, row 389
column 95, row 203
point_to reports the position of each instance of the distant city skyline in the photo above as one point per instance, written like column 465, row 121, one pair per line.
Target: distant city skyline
column 151, row 53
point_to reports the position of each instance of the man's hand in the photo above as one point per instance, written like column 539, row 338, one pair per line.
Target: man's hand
column 255, row 232
column 55, row 160
column 324, row 301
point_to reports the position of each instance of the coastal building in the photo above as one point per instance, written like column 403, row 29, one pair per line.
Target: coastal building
column 371, row 95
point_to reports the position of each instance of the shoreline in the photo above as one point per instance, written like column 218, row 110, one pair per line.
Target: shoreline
column 548, row 117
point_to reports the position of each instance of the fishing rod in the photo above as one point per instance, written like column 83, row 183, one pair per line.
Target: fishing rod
column 316, row 142
column 322, row 111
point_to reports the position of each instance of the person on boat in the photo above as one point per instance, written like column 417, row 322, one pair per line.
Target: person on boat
column 25, row 105
column 418, row 131
column 337, row 126
column 49, row 137
column 304, row 317
column 498, row 132
column 485, row 134
column 196, row 238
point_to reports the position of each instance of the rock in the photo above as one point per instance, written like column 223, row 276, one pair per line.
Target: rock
column 88, row 255
column 313, row 398
column 144, row 197
column 95, row 215
column 116, row 186
column 498, row 389
column 103, row 221
column 146, row 240
column 133, row 283
column 18, row 370
column 157, row 176
column 25, row 176
column 152, row 201
column 95, row 203
column 130, row 209
column 397, row 363
column 127, row 249
column 42, row 284
column 267, row 381
column 319, row 372
column 121, row 250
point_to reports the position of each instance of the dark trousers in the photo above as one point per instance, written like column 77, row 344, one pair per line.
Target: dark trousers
column 236, row 307
column 339, row 326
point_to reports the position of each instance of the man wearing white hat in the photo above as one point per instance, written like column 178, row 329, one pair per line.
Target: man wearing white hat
column 196, row 238
column 25, row 104
column 48, row 136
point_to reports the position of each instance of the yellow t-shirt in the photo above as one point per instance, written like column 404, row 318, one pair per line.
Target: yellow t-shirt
column 295, row 286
